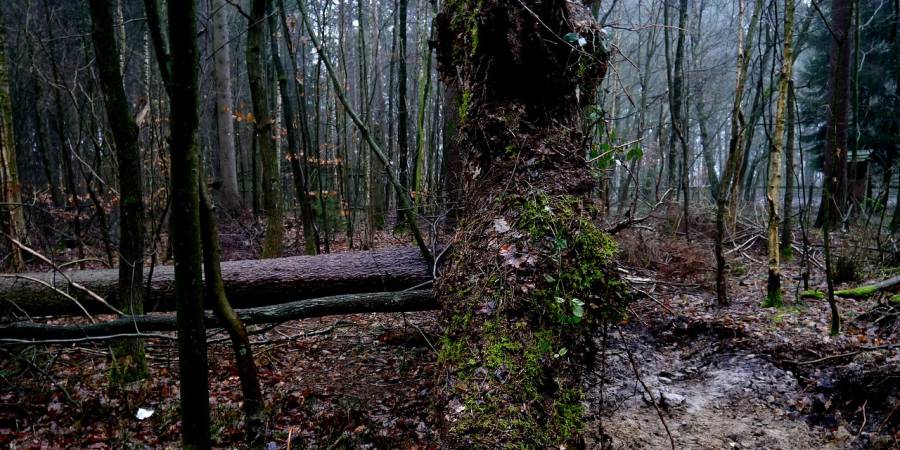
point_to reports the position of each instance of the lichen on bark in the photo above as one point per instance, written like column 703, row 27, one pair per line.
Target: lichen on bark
column 531, row 275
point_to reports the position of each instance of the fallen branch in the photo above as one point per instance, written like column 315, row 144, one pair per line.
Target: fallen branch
column 846, row 355
column 31, row 332
column 864, row 292
column 630, row 221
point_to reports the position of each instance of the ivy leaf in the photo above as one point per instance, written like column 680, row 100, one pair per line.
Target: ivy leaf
column 577, row 308
column 571, row 38
column 561, row 244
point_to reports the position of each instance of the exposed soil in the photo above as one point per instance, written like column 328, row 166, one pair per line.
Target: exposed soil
column 740, row 377
column 744, row 376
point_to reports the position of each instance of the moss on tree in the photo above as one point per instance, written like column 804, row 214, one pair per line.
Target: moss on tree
column 515, row 379
column 531, row 275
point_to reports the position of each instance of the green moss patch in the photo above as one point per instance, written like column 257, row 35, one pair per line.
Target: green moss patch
column 518, row 334
column 860, row 293
column 812, row 294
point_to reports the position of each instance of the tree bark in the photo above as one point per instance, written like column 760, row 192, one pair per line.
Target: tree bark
column 263, row 130
column 774, row 297
column 230, row 195
column 247, row 283
column 12, row 217
column 186, row 240
column 729, row 176
column 130, row 361
column 402, row 106
column 837, row 120
column 289, row 117
column 786, row 240
column 253, row 403
column 530, row 278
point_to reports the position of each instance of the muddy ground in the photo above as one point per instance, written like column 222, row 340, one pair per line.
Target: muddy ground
column 735, row 377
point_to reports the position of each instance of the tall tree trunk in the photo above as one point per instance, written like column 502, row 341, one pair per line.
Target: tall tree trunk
column 836, row 127
column 787, row 249
column 365, row 154
column 402, row 104
column 305, row 151
column 517, row 335
column 230, row 195
column 895, row 219
column 130, row 363
column 65, row 150
column 12, row 217
column 734, row 151
column 186, row 239
column 679, row 116
column 452, row 164
column 424, row 91
column 48, row 158
column 706, row 146
column 774, row 297
column 289, row 117
column 253, row 404
column 264, row 134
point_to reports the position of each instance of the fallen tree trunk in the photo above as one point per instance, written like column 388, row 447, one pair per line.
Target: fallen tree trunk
column 418, row 300
column 866, row 291
column 247, row 283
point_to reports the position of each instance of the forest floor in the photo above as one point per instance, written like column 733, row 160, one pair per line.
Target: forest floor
column 740, row 376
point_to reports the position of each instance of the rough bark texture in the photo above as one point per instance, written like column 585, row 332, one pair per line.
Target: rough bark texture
column 253, row 403
column 263, row 129
column 421, row 300
column 402, row 105
column 528, row 279
column 247, row 283
column 12, row 219
column 231, row 196
column 787, row 69
column 786, row 240
column 295, row 153
column 130, row 363
column 729, row 176
column 185, row 227
column 834, row 194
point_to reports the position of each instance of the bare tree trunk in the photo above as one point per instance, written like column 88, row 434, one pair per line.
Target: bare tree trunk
column 253, row 404
column 774, row 296
column 263, row 130
column 787, row 249
column 186, row 233
column 12, row 217
column 230, row 195
column 402, row 105
column 836, row 128
column 130, row 363
column 452, row 163
column 679, row 116
column 289, row 117
column 734, row 152
column 895, row 219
